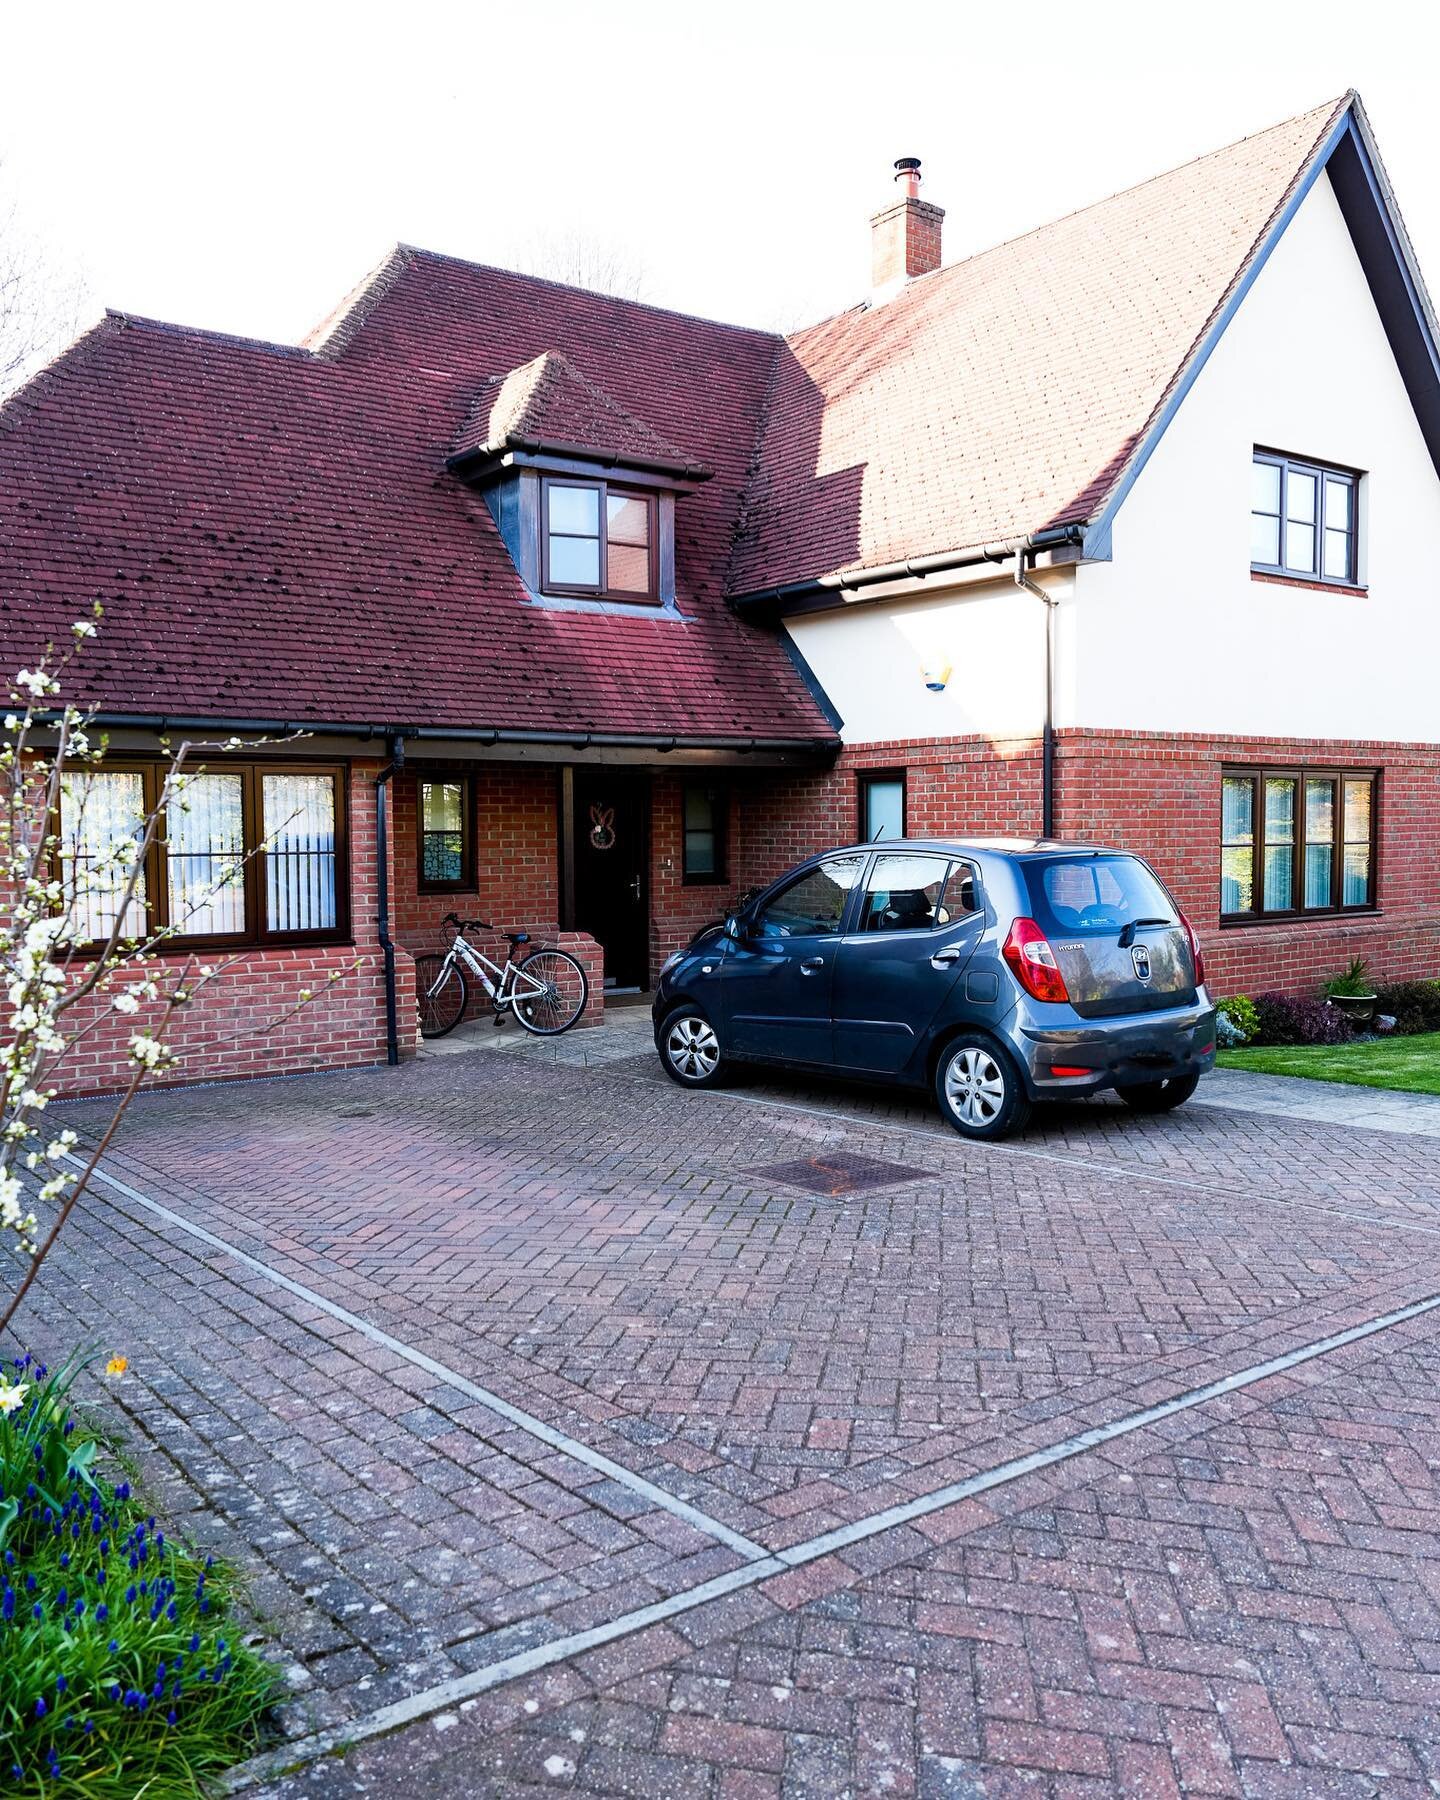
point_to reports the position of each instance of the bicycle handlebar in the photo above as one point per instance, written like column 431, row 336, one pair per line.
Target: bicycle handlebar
column 467, row 924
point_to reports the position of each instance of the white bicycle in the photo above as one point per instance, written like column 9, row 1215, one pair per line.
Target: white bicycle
column 545, row 990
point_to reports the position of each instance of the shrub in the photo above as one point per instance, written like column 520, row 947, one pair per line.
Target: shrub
column 1288, row 1019
column 120, row 1673
column 1239, row 1009
column 1414, row 1005
column 1355, row 981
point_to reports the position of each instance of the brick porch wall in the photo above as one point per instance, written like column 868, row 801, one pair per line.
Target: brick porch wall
column 228, row 1031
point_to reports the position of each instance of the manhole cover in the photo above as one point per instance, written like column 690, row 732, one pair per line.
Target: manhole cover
column 837, row 1174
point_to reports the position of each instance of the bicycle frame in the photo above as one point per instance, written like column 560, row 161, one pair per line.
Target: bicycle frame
column 508, row 984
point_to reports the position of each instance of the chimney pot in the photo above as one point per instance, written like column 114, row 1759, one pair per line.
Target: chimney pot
column 904, row 236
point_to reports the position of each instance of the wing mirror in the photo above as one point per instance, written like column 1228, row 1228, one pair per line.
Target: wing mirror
column 732, row 928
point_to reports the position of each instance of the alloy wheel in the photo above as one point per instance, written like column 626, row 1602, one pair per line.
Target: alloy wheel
column 975, row 1086
column 693, row 1048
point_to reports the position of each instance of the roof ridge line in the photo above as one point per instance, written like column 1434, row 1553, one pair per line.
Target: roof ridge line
column 169, row 328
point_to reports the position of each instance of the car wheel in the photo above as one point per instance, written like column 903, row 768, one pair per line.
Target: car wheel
column 689, row 1049
column 979, row 1088
column 1159, row 1096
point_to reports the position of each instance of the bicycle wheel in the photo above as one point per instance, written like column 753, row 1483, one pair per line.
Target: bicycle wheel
column 442, row 993
column 555, row 1010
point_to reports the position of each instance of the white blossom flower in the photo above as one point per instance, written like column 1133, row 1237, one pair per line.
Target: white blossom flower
column 12, row 1398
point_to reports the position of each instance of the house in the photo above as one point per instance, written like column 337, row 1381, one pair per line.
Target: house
column 593, row 615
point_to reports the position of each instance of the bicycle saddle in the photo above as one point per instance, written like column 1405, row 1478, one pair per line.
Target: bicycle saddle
column 517, row 937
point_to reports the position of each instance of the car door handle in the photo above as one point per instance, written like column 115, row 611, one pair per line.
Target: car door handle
column 811, row 964
column 942, row 959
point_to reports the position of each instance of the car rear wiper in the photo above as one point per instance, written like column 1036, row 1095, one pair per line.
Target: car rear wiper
column 1127, row 936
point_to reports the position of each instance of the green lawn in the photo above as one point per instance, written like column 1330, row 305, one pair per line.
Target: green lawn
column 1409, row 1063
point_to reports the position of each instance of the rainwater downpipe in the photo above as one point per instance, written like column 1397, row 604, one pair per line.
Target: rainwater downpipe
column 382, row 889
column 1047, row 738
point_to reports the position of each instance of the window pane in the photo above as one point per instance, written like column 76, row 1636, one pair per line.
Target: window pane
column 1237, row 880
column 575, row 562
column 1300, row 548
column 812, row 906
column 102, row 819
column 701, row 834
column 700, row 853
column 442, row 831
column 1357, row 811
column 1337, row 504
column 575, row 510
column 299, row 826
column 1300, row 497
column 1279, row 856
column 1264, row 540
column 1337, row 555
column 205, row 850
column 904, row 893
column 1318, row 866
column 628, row 566
column 627, row 519
column 1356, row 890
column 884, row 809
column 1279, row 811
column 1237, row 823
column 442, row 805
column 1319, row 811
column 1265, row 486
column 1279, row 879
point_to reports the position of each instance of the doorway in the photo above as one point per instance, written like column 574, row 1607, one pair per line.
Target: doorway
column 609, row 850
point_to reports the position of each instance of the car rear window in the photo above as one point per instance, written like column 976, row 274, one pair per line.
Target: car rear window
column 1100, row 894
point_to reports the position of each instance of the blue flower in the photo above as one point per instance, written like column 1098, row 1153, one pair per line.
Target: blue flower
column 8, row 1607
column 40, row 1709
column 170, row 1716
column 61, row 1684
column 102, row 1613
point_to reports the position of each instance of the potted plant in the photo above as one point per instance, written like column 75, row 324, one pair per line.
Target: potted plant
column 1353, row 993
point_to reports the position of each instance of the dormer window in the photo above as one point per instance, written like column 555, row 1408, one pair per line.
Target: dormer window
column 599, row 540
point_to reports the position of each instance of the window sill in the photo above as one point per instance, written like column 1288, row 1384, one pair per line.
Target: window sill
column 1305, row 581
column 1316, row 916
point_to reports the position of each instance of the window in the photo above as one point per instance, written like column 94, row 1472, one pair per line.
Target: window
column 246, row 853
column 813, row 906
column 907, row 893
column 1296, row 841
column 598, row 540
column 704, row 848
column 445, row 835
column 1100, row 894
column 1303, row 520
column 882, row 806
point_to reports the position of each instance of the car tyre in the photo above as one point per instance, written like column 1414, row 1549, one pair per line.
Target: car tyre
column 689, row 1047
column 1159, row 1096
column 979, row 1088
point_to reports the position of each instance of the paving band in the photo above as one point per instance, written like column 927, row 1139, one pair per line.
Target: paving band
column 514, row 1415
column 447, row 1694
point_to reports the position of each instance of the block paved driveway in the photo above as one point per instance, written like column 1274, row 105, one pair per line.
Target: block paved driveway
column 570, row 1445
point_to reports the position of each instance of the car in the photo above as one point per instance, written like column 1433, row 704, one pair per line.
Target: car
column 999, row 973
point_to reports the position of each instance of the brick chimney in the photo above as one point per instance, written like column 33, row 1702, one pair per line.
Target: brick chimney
column 904, row 236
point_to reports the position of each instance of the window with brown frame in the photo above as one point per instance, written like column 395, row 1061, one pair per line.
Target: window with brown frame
column 246, row 853
column 1296, row 842
column 705, row 819
column 598, row 540
column 446, row 836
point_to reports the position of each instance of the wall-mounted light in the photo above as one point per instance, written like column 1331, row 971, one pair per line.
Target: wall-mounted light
column 937, row 679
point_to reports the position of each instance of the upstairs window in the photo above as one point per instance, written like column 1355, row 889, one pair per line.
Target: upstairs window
column 1303, row 520
column 598, row 540
column 1296, row 841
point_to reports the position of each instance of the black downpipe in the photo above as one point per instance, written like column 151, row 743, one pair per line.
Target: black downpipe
column 1047, row 740
column 382, row 886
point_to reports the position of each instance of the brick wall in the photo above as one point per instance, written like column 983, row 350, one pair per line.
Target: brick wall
column 238, row 1025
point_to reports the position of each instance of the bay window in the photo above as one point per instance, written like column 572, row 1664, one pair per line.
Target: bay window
column 244, row 854
column 1296, row 841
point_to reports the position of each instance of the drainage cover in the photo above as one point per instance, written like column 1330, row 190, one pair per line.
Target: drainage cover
column 837, row 1174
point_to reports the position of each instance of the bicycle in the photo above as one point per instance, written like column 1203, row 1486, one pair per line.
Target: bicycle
column 545, row 990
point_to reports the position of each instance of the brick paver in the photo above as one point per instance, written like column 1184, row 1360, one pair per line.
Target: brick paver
column 593, row 1245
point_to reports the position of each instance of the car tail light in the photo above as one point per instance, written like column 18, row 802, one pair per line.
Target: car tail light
column 1032, row 962
column 1069, row 1070
column 1197, row 955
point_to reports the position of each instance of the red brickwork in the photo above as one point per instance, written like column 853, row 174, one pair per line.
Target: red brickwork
column 229, row 1030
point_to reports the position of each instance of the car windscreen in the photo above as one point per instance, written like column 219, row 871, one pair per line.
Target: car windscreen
column 1074, row 895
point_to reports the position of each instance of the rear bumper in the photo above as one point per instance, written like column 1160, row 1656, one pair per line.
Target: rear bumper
column 1116, row 1052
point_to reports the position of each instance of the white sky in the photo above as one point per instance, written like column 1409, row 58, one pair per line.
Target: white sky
column 241, row 167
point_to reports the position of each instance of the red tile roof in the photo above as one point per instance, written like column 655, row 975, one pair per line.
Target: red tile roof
column 547, row 401
column 274, row 534
column 1003, row 394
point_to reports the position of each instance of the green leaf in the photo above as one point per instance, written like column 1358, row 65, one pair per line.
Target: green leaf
column 80, row 1461
column 8, row 1512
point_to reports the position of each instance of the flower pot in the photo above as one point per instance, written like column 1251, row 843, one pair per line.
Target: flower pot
column 1359, row 1009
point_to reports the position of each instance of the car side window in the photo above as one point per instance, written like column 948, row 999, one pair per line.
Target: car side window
column 814, row 905
column 906, row 893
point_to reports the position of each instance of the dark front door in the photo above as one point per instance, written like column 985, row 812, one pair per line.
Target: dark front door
column 609, row 834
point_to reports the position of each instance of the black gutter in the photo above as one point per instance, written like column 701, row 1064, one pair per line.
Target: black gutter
column 382, row 890
column 578, row 740
column 821, row 590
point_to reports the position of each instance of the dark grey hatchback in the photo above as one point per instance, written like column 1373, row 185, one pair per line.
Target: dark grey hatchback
column 998, row 972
